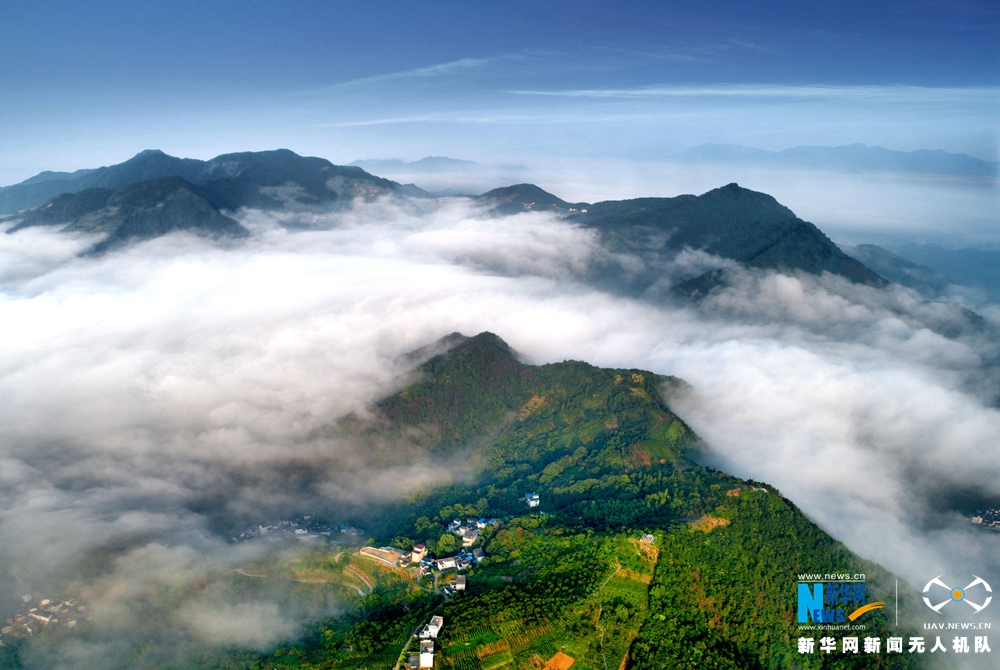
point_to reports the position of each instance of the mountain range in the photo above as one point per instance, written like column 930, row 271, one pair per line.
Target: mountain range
column 976, row 268
column 430, row 165
column 153, row 193
column 266, row 179
column 854, row 158
column 934, row 271
column 426, row 164
column 139, row 211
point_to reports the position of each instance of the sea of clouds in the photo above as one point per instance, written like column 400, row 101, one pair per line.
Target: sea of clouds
column 146, row 393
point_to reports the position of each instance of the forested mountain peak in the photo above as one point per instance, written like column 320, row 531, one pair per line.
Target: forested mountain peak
column 601, row 535
column 525, row 198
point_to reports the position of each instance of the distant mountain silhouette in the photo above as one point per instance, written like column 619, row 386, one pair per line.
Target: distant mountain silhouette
column 426, row 164
column 145, row 165
column 152, row 193
column 849, row 158
column 134, row 201
column 732, row 222
column 135, row 212
column 273, row 179
column 976, row 268
column 267, row 179
column 925, row 280
column 525, row 198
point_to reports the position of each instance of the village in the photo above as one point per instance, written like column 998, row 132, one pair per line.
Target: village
column 32, row 616
column 301, row 528
column 309, row 526
column 445, row 568
column 988, row 517
column 424, row 565
column 419, row 650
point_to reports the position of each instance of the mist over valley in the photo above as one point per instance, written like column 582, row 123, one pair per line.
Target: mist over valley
column 165, row 393
column 468, row 336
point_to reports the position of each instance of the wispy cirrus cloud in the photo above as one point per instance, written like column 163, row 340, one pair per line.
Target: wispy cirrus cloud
column 557, row 116
column 460, row 66
column 772, row 91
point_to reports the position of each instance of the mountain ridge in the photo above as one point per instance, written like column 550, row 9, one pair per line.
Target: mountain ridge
column 425, row 164
column 139, row 211
column 856, row 157
column 233, row 178
column 746, row 226
column 730, row 222
column 153, row 194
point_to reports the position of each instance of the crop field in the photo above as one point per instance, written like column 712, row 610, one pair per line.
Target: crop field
column 585, row 602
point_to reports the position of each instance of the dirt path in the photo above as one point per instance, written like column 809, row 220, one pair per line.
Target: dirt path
column 361, row 577
column 241, row 571
column 600, row 610
column 330, row 581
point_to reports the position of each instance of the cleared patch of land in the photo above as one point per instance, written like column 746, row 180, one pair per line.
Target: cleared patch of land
column 560, row 662
column 708, row 523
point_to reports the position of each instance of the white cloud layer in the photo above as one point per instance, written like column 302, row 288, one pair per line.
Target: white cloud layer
column 144, row 389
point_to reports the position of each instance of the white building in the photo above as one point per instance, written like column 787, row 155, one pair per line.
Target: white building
column 418, row 553
column 469, row 538
column 435, row 626
column 460, row 583
column 427, row 654
column 531, row 499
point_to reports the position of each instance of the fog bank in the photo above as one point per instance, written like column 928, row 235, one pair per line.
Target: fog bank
column 148, row 393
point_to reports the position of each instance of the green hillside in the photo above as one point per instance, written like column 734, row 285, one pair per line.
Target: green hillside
column 594, row 443
column 610, row 462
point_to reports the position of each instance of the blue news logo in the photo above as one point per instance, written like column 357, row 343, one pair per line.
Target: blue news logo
column 830, row 602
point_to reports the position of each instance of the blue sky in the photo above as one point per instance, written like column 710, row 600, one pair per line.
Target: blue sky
column 93, row 83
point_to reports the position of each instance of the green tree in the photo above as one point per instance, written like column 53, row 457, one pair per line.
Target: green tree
column 447, row 544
